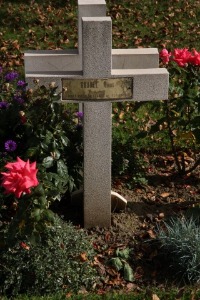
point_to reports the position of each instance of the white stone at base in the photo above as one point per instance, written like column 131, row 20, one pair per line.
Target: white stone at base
column 118, row 203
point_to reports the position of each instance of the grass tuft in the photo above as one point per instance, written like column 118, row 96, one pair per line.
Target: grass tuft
column 180, row 242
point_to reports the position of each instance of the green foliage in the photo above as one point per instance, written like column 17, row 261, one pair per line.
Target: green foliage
column 130, row 165
column 54, row 264
column 44, row 132
column 120, row 263
column 180, row 243
column 172, row 294
column 183, row 113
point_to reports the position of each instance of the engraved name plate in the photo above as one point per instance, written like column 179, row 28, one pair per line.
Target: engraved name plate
column 97, row 89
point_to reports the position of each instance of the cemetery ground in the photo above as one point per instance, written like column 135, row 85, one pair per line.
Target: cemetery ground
column 135, row 229
column 155, row 191
column 166, row 195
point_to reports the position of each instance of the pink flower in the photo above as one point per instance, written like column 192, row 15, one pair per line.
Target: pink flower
column 165, row 55
column 195, row 58
column 20, row 177
column 181, row 56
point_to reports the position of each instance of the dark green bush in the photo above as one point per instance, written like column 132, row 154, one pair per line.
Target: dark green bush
column 61, row 262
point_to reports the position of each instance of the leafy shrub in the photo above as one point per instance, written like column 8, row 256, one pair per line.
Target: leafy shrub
column 36, row 127
column 180, row 243
column 172, row 125
column 182, row 109
column 61, row 261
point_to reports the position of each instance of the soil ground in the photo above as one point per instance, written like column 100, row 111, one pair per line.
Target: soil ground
column 166, row 195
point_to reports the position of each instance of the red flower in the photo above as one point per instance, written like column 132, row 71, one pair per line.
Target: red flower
column 181, row 56
column 165, row 55
column 20, row 178
column 195, row 58
column 23, row 119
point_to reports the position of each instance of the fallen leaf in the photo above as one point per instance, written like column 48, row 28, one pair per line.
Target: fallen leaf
column 83, row 256
column 68, row 295
column 24, row 245
column 161, row 215
column 107, row 236
column 155, row 297
column 165, row 195
column 151, row 234
column 111, row 271
column 130, row 286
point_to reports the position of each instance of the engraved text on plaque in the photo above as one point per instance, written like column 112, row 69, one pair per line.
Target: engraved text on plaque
column 97, row 89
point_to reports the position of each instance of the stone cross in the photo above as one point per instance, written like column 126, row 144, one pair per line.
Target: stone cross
column 90, row 67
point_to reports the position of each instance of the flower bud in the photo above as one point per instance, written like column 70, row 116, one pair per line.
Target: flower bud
column 52, row 84
column 21, row 113
column 36, row 81
column 7, row 85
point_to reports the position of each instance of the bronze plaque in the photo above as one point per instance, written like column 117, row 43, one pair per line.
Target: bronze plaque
column 97, row 89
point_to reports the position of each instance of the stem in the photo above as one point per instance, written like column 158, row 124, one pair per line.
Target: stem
column 171, row 136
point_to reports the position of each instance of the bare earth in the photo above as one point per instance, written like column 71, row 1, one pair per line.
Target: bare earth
column 165, row 195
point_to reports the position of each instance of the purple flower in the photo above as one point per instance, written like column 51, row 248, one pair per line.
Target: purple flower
column 11, row 76
column 4, row 105
column 79, row 126
column 1, row 69
column 79, row 114
column 18, row 99
column 10, row 146
column 21, row 83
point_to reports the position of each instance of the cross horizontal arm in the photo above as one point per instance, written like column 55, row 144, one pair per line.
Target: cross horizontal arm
column 65, row 60
column 148, row 84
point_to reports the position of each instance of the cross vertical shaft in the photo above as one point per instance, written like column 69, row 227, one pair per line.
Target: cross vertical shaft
column 97, row 124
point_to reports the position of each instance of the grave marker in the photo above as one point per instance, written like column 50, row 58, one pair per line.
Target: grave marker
column 94, row 82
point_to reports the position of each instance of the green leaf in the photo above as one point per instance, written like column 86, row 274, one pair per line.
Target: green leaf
column 44, row 146
column 39, row 190
column 141, row 134
column 48, row 162
column 35, row 238
column 56, row 154
column 32, row 151
column 42, row 201
column 123, row 253
column 49, row 215
column 71, row 184
column 36, row 214
column 62, row 168
column 35, row 201
column 116, row 263
column 64, row 140
column 48, row 137
column 54, row 145
column 128, row 273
